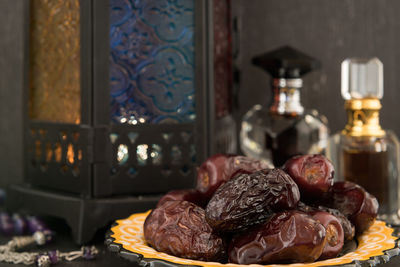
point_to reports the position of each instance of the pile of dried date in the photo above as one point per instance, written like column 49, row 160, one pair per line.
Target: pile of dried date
column 242, row 212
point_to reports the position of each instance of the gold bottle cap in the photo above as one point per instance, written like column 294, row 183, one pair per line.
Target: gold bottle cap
column 363, row 118
column 366, row 103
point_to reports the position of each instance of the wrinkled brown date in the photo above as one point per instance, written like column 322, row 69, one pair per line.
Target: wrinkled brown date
column 312, row 173
column 220, row 168
column 357, row 204
column 179, row 228
column 290, row 236
column 190, row 195
column 249, row 199
column 348, row 227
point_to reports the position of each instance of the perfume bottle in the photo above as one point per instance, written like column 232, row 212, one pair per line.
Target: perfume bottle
column 284, row 129
column 363, row 152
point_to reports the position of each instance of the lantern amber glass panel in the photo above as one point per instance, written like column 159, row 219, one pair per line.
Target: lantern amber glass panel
column 54, row 59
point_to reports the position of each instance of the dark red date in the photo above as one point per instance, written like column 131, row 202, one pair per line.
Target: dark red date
column 248, row 199
column 220, row 168
column 179, row 228
column 312, row 173
column 349, row 230
column 334, row 234
column 290, row 236
column 357, row 204
column 347, row 226
column 190, row 195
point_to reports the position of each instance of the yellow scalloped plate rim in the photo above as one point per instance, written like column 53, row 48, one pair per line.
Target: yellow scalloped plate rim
column 129, row 234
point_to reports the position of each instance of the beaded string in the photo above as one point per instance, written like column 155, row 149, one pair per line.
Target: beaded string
column 32, row 230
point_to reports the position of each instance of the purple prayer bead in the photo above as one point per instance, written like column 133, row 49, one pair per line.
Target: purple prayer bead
column 6, row 224
column 53, row 256
column 20, row 225
column 88, row 253
column 35, row 224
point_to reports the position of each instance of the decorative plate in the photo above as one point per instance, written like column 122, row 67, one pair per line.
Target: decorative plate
column 126, row 238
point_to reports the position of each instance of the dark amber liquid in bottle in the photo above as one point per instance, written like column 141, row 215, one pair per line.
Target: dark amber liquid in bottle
column 370, row 170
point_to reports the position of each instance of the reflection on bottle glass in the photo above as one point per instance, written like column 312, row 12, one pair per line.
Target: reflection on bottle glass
column 284, row 129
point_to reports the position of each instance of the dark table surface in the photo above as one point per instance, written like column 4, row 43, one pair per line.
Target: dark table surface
column 64, row 242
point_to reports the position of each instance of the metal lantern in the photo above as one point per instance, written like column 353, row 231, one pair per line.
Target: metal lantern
column 124, row 98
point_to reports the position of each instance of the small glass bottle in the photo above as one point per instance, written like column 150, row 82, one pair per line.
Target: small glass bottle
column 363, row 152
column 284, row 129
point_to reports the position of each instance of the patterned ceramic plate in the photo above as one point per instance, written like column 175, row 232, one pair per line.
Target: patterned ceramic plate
column 375, row 246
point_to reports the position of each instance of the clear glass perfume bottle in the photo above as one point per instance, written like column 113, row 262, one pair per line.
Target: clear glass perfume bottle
column 285, row 128
column 363, row 152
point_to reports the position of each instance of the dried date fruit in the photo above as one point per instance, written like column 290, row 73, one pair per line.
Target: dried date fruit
column 357, row 204
column 347, row 226
column 179, row 228
column 248, row 199
column 290, row 236
column 220, row 168
column 312, row 173
column 334, row 234
column 190, row 195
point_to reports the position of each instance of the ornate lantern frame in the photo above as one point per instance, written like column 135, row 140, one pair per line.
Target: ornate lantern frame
column 93, row 189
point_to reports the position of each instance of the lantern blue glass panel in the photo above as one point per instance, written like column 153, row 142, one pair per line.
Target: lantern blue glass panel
column 152, row 61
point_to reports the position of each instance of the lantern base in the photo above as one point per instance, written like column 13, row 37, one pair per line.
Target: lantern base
column 84, row 215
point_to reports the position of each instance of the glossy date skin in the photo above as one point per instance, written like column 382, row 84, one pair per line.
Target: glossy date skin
column 249, row 199
column 312, row 173
column 347, row 226
column 334, row 234
column 190, row 195
column 179, row 228
column 290, row 236
column 220, row 168
column 360, row 207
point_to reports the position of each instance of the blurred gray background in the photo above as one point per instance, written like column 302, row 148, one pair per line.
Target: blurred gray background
column 11, row 59
column 329, row 30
